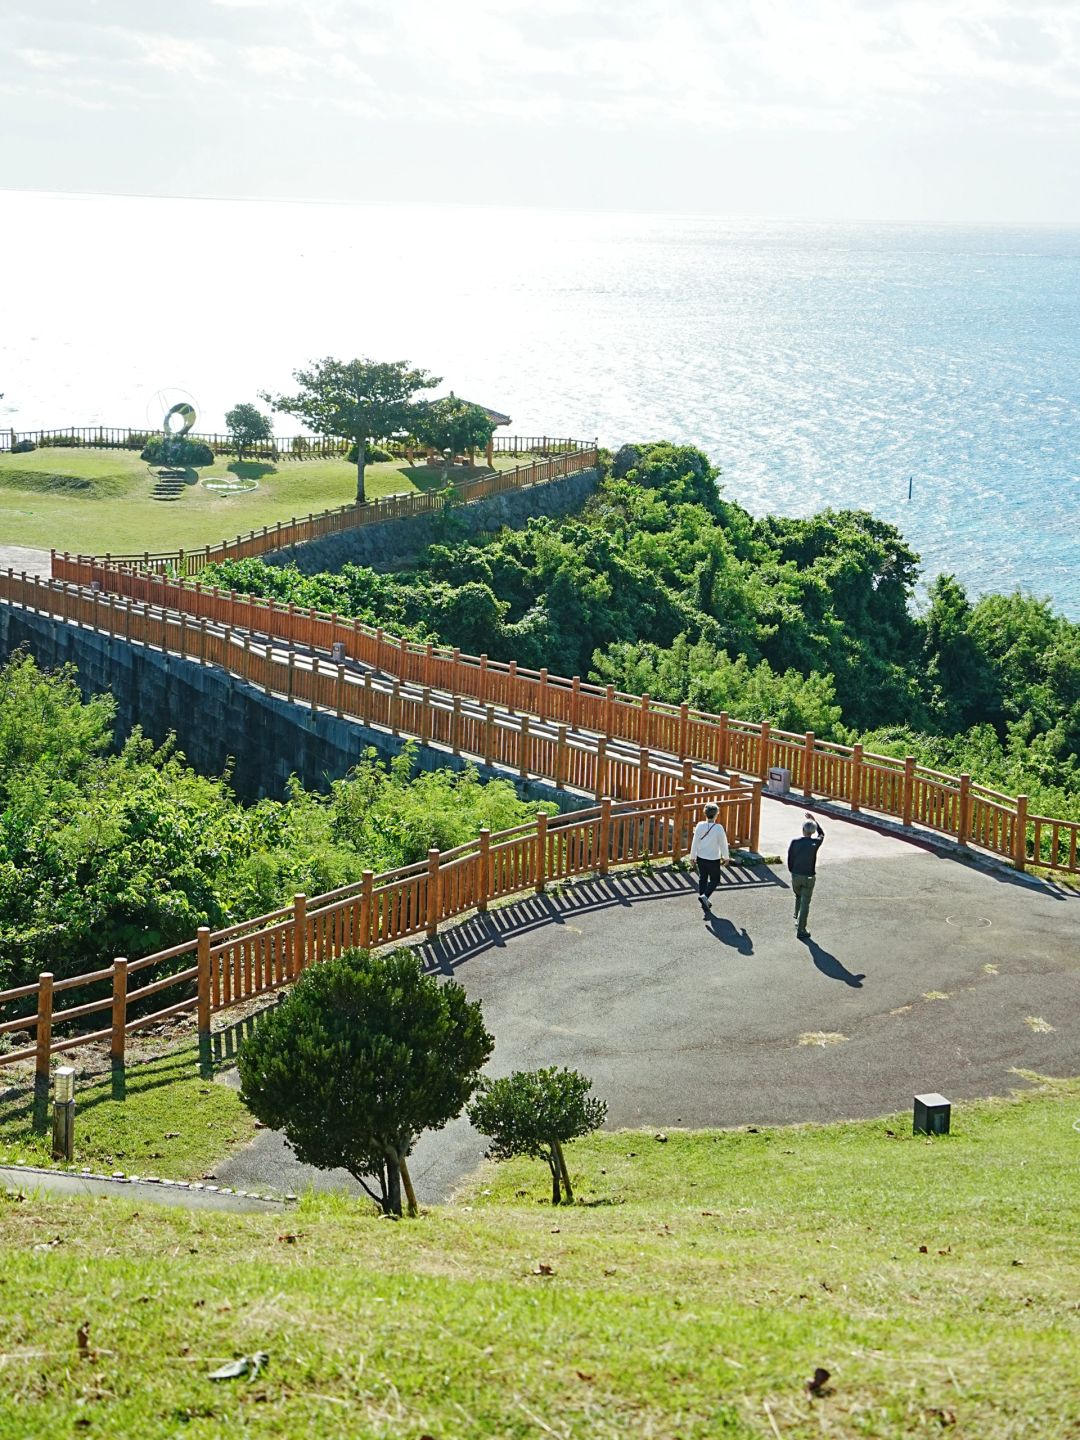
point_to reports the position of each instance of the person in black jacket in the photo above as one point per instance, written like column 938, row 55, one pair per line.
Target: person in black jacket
column 802, row 862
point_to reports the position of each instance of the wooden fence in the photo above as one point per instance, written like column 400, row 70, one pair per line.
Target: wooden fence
column 298, row 531
column 281, row 447
column 900, row 789
column 216, row 970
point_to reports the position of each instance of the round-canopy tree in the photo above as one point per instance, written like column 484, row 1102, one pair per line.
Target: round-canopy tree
column 362, row 400
column 453, row 426
column 535, row 1113
column 361, row 1056
column 247, row 425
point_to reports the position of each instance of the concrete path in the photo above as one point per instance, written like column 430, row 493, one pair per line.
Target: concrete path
column 21, row 557
column 157, row 1192
column 922, row 973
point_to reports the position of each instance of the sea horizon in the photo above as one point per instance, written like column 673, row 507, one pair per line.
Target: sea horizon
column 817, row 363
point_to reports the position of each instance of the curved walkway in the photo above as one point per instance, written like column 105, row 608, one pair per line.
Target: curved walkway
column 923, row 973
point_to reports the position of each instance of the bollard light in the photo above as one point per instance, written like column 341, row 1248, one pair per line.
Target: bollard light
column 63, row 1143
column 932, row 1113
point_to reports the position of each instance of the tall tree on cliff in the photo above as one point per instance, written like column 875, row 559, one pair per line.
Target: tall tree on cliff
column 361, row 400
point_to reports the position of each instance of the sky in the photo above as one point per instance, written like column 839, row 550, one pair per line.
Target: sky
column 879, row 110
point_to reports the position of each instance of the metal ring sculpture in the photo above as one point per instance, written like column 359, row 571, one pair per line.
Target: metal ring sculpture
column 185, row 413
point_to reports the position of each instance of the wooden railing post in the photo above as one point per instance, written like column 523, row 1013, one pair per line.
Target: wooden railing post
column 489, row 733
column 808, row 765
column 677, row 824
column 909, row 787
column 119, row 1008
column 604, row 841
column 1020, row 833
column 483, row 871
column 684, row 726
column 541, row 852
column 367, row 888
column 856, row 787
column 755, row 816
column 512, row 687
column 723, row 741
column 575, row 702
column 524, row 746
column 600, row 777
column 205, row 1000
column 425, row 714
column 455, row 726
column 765, row 732
column 542, row 694
column 561, row 757
column 609, row 711
column 300, row 957
column 963, row 818
column 43, row 1031
column 643, row 773
column 434, row 895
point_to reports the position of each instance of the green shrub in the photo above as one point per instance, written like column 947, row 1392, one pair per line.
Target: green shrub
column 23, row 447
column 535, row 1113
column 177, row 450
column 374, row 455
column 137, row 440
column 61, row 442
column 363, row 1055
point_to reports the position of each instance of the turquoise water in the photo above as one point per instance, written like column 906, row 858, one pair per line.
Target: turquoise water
column 818, row 365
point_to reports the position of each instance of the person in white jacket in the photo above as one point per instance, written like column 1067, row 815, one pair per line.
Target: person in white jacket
column 709, row 850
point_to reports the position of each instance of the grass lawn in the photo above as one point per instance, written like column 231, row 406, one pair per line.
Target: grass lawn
column 693, row 1292
column 172, row 1123
column 97, row 500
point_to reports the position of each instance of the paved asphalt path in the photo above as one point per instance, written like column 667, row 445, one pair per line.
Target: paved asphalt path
column 690, row 1019
column 21, row 557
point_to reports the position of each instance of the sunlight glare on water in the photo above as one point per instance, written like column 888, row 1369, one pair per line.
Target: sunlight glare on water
column 818, row 365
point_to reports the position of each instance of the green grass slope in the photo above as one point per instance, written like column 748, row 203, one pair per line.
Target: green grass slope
column 97, row 500
column 692, row 1293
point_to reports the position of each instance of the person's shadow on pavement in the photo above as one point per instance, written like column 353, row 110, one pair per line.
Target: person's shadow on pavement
column 831, row 967
column 729, row 934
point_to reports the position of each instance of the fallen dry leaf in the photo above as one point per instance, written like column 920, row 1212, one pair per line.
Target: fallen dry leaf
column 82, row 1339
column 818, row 1381
column 543, row 1268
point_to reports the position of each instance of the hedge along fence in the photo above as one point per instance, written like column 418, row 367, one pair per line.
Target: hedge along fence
column 132, row 437
column 900, row 789
column 222, row 968
column 186, row 563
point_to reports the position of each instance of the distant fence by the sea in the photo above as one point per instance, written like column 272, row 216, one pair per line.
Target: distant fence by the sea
column 281, row 447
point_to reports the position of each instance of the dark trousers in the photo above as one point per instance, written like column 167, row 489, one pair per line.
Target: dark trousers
column 708, row 876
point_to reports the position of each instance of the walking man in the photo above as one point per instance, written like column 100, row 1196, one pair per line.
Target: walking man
column 802, row 862
column 709, row 849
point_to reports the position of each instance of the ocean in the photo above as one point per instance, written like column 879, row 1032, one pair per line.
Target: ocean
column 816, row 364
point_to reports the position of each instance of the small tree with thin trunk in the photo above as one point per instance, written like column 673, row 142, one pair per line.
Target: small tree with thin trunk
column 536, row 1113
column 247, row 424
column 361, row 400
column 453, row 426
column 358, row 1059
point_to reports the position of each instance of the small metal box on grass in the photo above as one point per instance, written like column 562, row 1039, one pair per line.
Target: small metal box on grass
column 932, row 1114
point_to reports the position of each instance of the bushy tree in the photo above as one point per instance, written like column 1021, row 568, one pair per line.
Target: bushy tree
column 361, row 400
column 536, row 1113
column 364, row 1054
column 452, row 426
column 247, row 425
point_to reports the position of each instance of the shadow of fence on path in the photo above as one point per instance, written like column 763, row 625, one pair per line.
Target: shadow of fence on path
column 492, row 930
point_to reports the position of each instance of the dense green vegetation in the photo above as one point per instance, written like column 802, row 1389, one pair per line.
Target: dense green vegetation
column 665, row 585
column 693, row 1291
column 106, row 852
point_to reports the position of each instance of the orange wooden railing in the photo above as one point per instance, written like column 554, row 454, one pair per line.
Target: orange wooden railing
column 903, row 790
column 219, row 969
column 299, row 531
